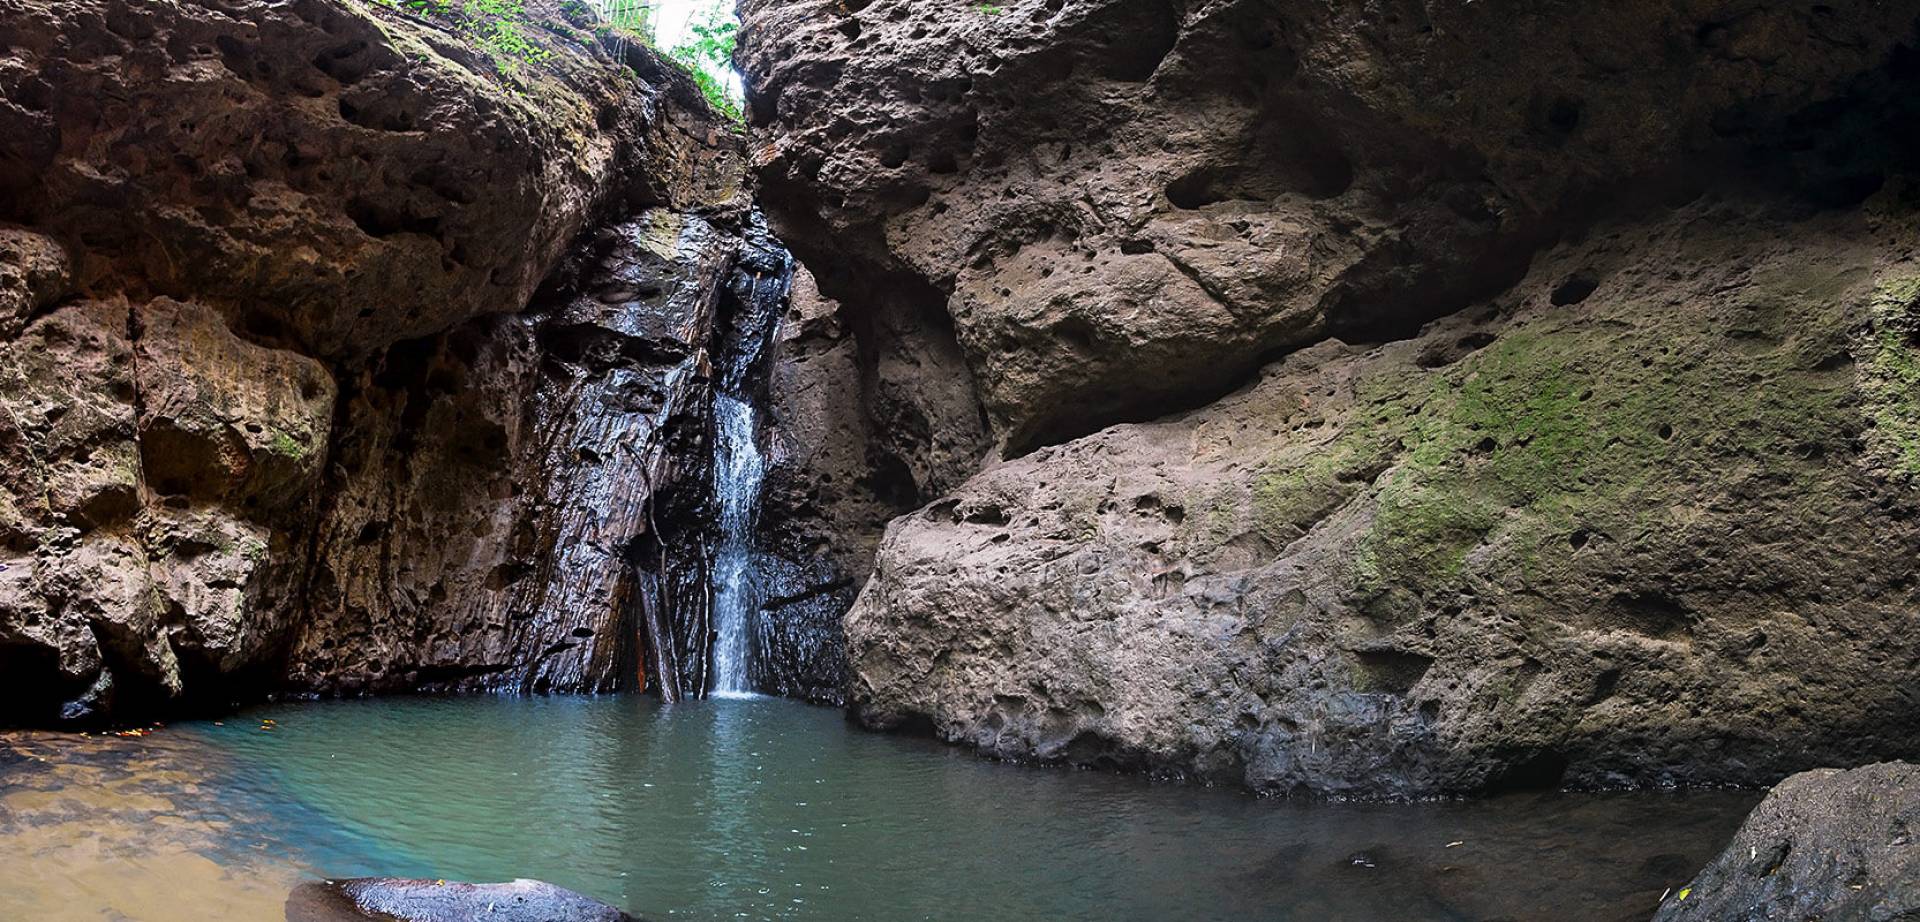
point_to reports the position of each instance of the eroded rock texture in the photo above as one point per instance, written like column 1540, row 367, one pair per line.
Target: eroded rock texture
column 336, row 175
column 1640, row 538
column 1826, row 844
column 242, row 247
column 1127, row 205
column 442, row 901
column 872, row 415
column 1530, row 382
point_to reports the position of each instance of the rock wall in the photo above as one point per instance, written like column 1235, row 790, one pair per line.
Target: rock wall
column 492, row 499
column 271, row 401
column 1639, row 539
column 1381, row 399
column 1127, row 206
column 872, row 416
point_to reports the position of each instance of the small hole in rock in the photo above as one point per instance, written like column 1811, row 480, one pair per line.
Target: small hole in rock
column 1573, row 291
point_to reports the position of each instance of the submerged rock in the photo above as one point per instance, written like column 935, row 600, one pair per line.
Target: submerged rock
column 393, row 899
column 1831, row 845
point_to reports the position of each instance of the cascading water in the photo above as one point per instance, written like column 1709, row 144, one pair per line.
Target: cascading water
column 737, row 471
column 739, row 466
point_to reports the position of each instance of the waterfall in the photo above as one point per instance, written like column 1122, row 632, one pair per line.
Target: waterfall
column 737, row 471
column 739, row 466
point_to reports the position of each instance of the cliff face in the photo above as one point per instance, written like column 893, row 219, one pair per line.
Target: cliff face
column 274, row 395
column 491, row 516
column 1383, row 399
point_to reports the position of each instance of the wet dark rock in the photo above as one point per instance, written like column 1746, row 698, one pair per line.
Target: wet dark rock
column 398, row 900
column 495, row 517
column 871, row 415
column 1830, row 845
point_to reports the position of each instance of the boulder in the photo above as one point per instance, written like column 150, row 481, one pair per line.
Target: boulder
column 1385, row 399
column 232, row 237
column 1127, row 206
column 1836, row 846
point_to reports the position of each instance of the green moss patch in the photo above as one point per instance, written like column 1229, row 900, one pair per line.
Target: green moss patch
column 1575, row 425
column 1889, row 363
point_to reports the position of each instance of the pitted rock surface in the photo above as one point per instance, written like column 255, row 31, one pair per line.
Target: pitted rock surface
column 225, row 228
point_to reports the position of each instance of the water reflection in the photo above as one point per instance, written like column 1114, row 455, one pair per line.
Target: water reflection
column 765, row 809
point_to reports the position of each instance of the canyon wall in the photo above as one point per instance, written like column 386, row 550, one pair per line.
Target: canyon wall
column 1354, row 399
column 1361, row 399
column 343, row 346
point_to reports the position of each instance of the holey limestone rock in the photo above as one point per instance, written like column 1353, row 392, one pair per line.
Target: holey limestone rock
column 1384, row 399
column 1648, row 518
column 1127, row 206
column 232, row 235
column 1829, row 845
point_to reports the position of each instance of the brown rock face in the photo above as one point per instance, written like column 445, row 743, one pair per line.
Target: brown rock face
column 1530, row 386
column 249, row 413
column 1637, row 539
column 332, row 174
column 872, row 415
column 1128, row 205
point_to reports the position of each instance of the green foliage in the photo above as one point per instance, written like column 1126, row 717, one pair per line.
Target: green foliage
column 988, row 9
column 496, row 25
column 287, row 445
column 500, row 27
column 710, row 52
column 635, row 16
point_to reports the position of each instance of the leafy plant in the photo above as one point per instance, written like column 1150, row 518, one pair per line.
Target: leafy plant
column 635, row 16
column 496, row 25
column 287, row 445
column 710, row 52
column 499, row 26
column 989, row 9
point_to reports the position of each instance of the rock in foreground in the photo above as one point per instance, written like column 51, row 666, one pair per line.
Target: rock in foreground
column 1825, row 844
column 389, row 898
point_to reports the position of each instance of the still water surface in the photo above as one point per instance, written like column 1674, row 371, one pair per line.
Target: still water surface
column 768, row 809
